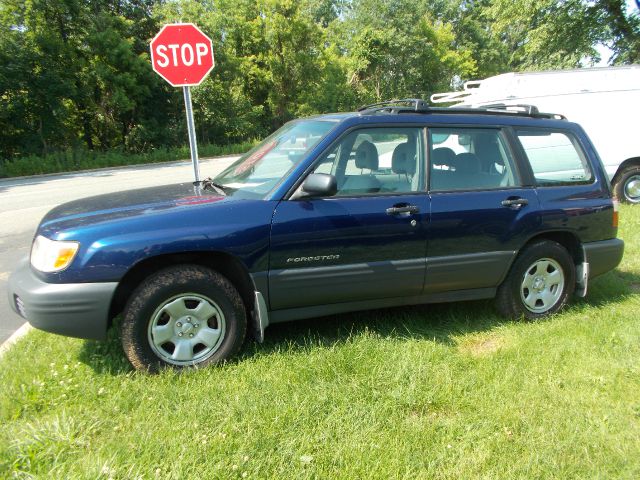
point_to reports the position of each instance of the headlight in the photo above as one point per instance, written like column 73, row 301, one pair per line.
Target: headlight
column 52, row 255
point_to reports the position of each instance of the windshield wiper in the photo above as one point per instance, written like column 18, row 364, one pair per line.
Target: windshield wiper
column 209, row 184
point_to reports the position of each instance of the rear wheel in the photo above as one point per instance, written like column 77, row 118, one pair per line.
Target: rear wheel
column 627, row 187
column 540, row 282
column 183, row 316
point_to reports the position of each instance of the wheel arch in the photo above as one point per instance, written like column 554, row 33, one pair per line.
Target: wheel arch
column 565, row 238
column 629, row 162
column 568, row 240
column 225, row 264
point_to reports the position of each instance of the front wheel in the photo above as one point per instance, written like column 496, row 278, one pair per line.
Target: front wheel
column 627, row 187
column 183, row 316
column 540, row 282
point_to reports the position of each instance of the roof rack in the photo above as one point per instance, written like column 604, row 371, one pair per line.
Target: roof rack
column 394, row 106
column 417, row 105
column 529, row 110
column 521, row 107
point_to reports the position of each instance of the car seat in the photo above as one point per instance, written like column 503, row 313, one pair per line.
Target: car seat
column 403, row 163
column 366, row 156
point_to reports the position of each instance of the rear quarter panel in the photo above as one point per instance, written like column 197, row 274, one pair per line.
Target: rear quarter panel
column 585, row 210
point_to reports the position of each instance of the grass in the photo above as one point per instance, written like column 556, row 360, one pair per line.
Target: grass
column 443, row 391
column 73, row 160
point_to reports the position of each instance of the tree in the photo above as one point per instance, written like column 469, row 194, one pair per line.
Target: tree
column 545, row 34
column 548, row 34
column 76, row 73
column 622, row 30
column 403, row 49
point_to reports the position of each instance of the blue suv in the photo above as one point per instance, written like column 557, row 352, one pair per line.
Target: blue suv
column 396, row 204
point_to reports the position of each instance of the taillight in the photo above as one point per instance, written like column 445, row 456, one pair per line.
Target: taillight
column 616, row 208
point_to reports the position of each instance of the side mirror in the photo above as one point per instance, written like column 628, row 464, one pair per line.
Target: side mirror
column 317, row 185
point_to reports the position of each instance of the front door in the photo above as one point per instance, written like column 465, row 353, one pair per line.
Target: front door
column 369, row 240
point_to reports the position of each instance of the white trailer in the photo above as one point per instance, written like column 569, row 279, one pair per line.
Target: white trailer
column 604, row 101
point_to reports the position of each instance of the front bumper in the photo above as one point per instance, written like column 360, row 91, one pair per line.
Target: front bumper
column 72, row 309
column 603, row 256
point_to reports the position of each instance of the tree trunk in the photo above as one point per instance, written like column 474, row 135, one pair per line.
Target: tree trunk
column 45, row 147
column 87, row 130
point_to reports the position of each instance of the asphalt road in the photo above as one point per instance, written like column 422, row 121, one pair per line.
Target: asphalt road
column 24, row 201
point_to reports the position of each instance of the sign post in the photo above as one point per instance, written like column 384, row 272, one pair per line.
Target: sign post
column 183, row 56
column 193, row 144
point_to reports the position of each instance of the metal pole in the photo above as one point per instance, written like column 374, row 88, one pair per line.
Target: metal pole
column 192, row 132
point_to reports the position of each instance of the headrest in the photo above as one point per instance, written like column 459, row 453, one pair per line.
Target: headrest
column 486, row 148
column 367, row 156
column 403, row 159
column 467, row 163
column 443, row 156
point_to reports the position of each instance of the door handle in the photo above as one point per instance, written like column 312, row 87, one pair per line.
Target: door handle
column 515, row 202
column 396, row 210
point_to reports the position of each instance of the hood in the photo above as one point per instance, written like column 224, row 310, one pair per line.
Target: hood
column 130, row 203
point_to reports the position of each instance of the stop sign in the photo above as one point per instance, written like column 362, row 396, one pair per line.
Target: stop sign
column 182, row 54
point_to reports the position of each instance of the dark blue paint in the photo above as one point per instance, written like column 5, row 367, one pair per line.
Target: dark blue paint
column 474, row 222
column 358, row 231
column 117, row 231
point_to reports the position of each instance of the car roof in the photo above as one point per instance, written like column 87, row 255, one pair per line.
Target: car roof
column 416, row 110
column 450, row 117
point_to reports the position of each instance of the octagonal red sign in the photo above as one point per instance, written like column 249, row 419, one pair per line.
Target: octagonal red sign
column 182, row 54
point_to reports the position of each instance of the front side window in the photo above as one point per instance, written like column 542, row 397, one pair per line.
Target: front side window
column 376, row 161
column 555, row 157
column 255, row 173
column 469, row 159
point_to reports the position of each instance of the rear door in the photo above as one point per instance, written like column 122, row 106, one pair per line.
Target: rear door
column 481, row 210
column 369, row 240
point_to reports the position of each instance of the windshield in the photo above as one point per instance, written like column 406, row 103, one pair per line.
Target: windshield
column 255, row 173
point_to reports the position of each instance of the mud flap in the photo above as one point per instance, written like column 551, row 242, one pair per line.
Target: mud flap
column 260, row 317
column 582, row 279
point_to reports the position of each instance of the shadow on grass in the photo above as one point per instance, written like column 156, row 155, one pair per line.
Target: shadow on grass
column 440, row 323
column 106, row 357
column 435, row 322
column 611, row 288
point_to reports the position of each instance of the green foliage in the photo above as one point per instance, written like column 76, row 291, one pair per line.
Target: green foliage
column 76, row 75
column 622, row 29
column 446, row 391
column 82, row 159
column 545, row 34
column 549, row 34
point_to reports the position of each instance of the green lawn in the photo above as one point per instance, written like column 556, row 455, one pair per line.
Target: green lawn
column 442, row 391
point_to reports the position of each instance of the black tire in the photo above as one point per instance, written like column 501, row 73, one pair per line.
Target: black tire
column 532, row 279
column 210, row 304
column 626, row 186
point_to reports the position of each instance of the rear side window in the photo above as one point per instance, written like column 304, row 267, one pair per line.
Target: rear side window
column 469, row 159
column 555, row 157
